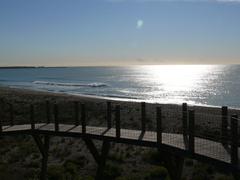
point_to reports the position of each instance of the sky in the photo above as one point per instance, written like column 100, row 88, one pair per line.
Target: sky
column 119, row 32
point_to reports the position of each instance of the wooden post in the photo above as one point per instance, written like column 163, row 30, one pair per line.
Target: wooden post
column 56, row 117
column 159, row 125
column 48, row 111
column 43, row 175
column 92, row 148
column 83, row 118
column 0, row 121
column 143, row 116
column 191, row 131
column 32, row 117
column 43, row 147
column 118, row 123
column 103, row 158
column 11, row 114
column 184, row 119
column 76, row 107
column 1, row 115
column 234, row 140
column 173, row 162
column 224, row 124
column 109, row 115
column 100, row 158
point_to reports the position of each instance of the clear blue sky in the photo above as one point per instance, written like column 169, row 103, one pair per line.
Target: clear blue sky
column 118, row 32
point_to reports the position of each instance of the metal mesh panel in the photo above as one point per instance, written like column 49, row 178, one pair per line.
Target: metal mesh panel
column 40, row 112
column 211, row 149
column 95, row 114
column 208, row 126
column 238, row 129
column 65, row 112
column 130, row 116
column 20, row 113
column 208, row 132
column 172, row 120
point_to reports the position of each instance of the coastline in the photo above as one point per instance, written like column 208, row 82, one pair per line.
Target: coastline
column 100, row 98
column 206, row 116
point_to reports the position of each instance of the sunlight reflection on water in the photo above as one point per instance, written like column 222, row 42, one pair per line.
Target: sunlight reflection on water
column 176, row 83
column 195, row 84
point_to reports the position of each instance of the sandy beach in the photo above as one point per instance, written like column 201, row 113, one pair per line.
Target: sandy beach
column 21, row 99
column 208, row 119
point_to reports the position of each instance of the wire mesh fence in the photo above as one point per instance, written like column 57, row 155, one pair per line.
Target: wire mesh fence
column 211, row 131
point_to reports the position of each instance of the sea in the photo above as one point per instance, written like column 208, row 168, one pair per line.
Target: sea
column 211, row 85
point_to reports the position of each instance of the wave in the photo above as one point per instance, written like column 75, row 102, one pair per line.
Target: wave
column 70, row 84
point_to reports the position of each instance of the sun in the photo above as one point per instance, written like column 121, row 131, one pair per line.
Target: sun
column 140, row 23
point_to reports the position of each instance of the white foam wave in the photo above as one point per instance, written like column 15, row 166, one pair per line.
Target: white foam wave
column 70, row 84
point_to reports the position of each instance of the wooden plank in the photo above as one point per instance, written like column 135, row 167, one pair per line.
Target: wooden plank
column 48, row 127
column 234, row 140
column 191, row 132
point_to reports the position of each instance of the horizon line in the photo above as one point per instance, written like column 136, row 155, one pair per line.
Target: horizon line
column 70, row 66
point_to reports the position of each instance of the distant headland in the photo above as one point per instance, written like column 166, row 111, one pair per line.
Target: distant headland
column 15, row 67
column 28, row 67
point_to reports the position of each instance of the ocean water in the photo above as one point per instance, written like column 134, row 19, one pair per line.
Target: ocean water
column 215, row 85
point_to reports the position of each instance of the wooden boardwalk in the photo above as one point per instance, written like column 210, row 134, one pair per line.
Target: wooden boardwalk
column 223, row 152
column 203, row 147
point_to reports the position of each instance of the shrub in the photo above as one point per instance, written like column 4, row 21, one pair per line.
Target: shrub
column 127, row 155
column 70, row 167
column 152, row 157
column 224, row 177
column 86, row 178
column 33, row 164
column 130, row 177
column 35, row 156
column 27, row 148
column 157, row 172
column 4, row 171
column 116, row 157
column 189, row 162
column 202, row 171
column 111, row 171
column 55, row 172
column 79, row 160
column 31, row 173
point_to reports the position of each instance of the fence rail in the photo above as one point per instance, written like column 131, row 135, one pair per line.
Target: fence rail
column 215, row 136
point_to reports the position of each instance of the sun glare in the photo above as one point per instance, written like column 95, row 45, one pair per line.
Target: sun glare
column 177, row 77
